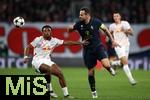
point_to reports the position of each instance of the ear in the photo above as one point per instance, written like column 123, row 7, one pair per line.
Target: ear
column 120, row 16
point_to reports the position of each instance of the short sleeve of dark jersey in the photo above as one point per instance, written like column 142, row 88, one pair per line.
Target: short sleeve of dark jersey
column 98, row 23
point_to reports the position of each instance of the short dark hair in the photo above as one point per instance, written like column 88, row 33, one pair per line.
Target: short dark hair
column 115, row 12
column 87, row 10
column 46, row 26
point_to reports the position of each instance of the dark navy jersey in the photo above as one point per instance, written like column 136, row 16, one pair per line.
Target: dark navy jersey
column 90, row 31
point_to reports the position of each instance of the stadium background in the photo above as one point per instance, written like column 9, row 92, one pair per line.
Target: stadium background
column 60, row 14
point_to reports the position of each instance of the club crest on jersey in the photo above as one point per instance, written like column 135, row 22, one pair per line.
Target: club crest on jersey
column 46, row 48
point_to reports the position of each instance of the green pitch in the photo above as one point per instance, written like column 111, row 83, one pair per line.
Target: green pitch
column 108, row 87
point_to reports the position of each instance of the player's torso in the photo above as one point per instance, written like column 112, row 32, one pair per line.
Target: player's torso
column 119, row 36
column 44, row 48
column 90, row 31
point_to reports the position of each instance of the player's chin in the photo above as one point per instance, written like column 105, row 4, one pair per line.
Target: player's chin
column 80, row 19
column 47, row 35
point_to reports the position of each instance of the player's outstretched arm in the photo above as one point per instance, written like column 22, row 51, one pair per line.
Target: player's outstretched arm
column 69, row 43
column 26, row 53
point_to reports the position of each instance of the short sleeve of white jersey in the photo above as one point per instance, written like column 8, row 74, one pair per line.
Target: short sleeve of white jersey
column 58, row 41
column 35, row 41
column 110, row 27
column 126, row 25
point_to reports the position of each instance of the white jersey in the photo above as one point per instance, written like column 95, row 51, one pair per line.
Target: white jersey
column 120, row 37
column 43, row 48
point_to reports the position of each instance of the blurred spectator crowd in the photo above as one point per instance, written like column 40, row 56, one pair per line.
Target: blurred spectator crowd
column 135, row 11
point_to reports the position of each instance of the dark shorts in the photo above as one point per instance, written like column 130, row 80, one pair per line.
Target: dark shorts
column 110, row 50
column 91, row 55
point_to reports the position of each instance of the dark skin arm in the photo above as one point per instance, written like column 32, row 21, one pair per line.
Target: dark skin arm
column 26, row 53
column 69, row 43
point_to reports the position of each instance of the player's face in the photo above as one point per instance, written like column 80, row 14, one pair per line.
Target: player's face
column 82, row 15
column 47, row 32
column 117, row 17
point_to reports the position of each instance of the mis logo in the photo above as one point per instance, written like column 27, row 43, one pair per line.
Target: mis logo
column 21, row 85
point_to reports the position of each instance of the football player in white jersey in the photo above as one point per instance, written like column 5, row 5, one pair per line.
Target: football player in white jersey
column 121, row 31
column 43, row 47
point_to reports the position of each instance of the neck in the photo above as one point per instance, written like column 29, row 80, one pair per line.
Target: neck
column 118, row 22
column 87, row 20
column 47, row 38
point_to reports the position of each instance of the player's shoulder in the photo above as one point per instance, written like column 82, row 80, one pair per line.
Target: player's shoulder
column 124, row 22
column 112, row 24
column 39, row 38
column 78, row 22
column 54, row 39
column 96, row 19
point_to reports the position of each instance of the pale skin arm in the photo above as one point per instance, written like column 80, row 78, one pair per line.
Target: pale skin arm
column 128, row 31
column 108, row 33
column 70, row 28
column 104, row 28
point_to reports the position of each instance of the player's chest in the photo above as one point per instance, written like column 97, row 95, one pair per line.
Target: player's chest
column 46, row 44
column 118, row 27
column 87, row 29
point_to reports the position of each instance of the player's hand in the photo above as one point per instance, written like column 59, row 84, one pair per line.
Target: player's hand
column 85, row 42
column 115, row 44
column 70, row 28
column 26, row 59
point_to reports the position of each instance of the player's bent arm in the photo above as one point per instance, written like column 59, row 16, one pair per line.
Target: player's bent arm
column 27, row 50
column 105, row 29
column 129, row 31
column 26, row 53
